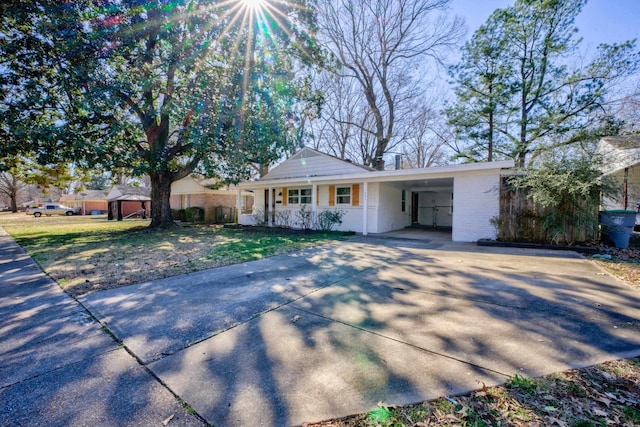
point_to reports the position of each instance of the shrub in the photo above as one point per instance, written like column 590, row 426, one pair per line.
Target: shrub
column 284, row 219
column 563, row 194
column 328, row 219
column 259, row 217
column 194, row 214
column 304, row 218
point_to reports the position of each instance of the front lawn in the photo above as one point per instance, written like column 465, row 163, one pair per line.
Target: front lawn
column 88, row 253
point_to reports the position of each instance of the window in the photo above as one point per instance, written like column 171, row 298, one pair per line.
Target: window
column 299, row 196
column 343, row 195
column 404, row 200
column 293, row 197
column 305, row 196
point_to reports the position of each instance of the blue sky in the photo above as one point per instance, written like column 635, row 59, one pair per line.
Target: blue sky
column 601, row 21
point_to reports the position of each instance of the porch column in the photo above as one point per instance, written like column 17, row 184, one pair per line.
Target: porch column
column 238, row 205
column 314, row 200
column 365, row 207
column 270, row 208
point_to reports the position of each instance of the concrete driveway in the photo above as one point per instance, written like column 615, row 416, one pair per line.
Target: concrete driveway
column 333, row 331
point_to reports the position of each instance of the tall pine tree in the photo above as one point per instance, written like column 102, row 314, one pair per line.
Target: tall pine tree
column 543, row 99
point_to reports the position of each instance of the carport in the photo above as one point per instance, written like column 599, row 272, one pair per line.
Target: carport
column 462, row 198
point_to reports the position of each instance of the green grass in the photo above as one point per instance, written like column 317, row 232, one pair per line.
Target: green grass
column 89, row 253
column 524, row 384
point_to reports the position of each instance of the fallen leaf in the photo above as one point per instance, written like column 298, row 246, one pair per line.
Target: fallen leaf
column 604, row 400
column 557, row 421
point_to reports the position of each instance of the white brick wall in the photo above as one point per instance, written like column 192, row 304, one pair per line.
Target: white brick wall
column 475, row 202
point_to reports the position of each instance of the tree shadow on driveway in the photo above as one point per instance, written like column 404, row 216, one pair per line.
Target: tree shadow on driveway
column 332, row 331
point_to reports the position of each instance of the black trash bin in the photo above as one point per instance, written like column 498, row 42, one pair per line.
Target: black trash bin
column 617, row 226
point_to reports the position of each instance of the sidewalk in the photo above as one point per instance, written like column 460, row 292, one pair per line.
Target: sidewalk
column 57, row 366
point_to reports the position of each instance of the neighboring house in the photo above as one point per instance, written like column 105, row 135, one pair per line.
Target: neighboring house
column 88, row 202
column 463, row 198
column 128, row 201
column 622, row 162
column 39, row 201
column 219, row 203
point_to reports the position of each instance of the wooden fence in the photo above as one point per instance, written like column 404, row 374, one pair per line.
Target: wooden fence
column 523, row 220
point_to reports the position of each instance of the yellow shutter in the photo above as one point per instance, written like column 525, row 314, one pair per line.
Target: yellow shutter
column 332, row 195
column 285, row 196
column 317, row 196
column 355, row 195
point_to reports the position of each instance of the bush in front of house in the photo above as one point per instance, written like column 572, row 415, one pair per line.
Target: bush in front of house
column 284, row 219
column 328, row 219
column 194, row 214
column 304, row 217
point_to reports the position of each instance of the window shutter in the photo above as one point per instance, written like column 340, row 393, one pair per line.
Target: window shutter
column 317, row 196
column 285, row 196
column 332, row 195
column 355, row 195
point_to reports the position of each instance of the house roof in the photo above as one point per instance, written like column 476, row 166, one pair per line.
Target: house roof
column 210, row 183
column 124, row 193
column 197, row 184
column 627, row 142
column 369, row 175
column 85, row 195
column 619, row 152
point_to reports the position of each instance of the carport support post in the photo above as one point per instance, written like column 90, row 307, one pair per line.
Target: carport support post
column 270, row 208
column 365, row 207
column 314, row 203
column 238, row 205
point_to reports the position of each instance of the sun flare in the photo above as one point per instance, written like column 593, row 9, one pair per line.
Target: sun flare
column 254, row 4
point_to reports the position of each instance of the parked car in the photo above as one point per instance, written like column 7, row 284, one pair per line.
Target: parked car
column 51, row 209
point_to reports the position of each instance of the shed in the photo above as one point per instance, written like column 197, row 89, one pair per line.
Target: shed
column 125, row 202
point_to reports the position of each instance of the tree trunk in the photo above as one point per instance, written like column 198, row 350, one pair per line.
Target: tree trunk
column 160, row 200
column 378, row 160
column 14, row 203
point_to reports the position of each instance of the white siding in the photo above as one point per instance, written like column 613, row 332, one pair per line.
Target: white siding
column 351, row 221
column 390, row 215
column 186, row 186
column 475, row 202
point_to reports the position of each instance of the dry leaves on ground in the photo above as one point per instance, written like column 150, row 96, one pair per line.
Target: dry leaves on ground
column 602, row 395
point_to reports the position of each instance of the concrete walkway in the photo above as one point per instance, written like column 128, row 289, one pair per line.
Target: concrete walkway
column 57, row 366
column 333, row 331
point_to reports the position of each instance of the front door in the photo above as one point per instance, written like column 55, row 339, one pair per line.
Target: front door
column 414, row 207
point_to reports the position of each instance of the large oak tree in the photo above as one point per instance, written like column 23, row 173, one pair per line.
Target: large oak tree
column 159, row 87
